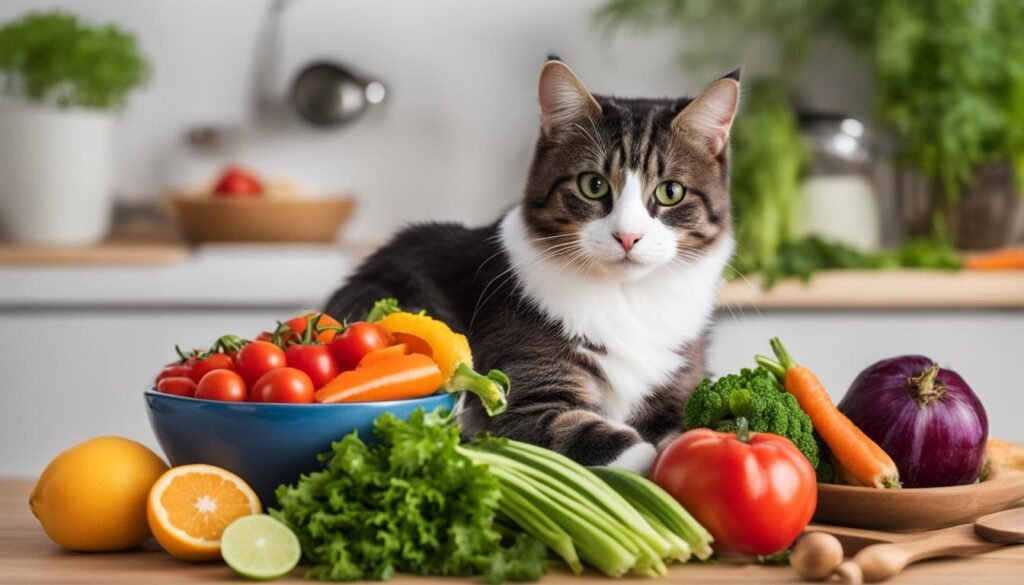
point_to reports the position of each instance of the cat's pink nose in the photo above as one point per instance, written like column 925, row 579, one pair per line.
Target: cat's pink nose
column 627, row 240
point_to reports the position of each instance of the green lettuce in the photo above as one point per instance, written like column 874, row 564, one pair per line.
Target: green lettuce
column 411, row 503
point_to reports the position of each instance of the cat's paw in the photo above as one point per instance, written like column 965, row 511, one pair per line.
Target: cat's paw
column 637, row 458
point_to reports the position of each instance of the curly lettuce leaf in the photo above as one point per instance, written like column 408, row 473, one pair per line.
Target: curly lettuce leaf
column 409, row 503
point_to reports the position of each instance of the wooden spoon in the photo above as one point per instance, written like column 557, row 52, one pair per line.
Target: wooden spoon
column 883, row 561
column 1006, row 527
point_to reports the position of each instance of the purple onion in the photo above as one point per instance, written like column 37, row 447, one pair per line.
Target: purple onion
column 925, row 417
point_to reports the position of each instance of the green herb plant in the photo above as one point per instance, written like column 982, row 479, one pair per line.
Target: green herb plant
column 54, row 58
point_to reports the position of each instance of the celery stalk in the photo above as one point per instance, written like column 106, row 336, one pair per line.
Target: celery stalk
column 650, row 499
column 592, row 543
column 574, row 476
column 679, row 549
column 539, row 526
column 647, row 560
column 582, row 494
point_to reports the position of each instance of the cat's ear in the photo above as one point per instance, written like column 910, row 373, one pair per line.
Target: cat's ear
column 563, row 98
column 711, row 114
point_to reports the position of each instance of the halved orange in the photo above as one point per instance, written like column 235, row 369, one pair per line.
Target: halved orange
column 190, row 506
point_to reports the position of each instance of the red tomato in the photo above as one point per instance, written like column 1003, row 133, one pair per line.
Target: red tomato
column 179, row 386
column 258, row 358
column 265, row 336
column 214, row 361
column 754, row 496
column 176, row 371
column 283, row 385
column 358, row 340
column 238, row 182
column 222, row 385
column 327, row 328
column 315, row 360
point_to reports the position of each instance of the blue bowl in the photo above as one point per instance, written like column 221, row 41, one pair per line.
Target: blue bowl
column 265, row 444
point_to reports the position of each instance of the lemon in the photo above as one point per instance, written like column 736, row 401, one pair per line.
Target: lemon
column 92, row 497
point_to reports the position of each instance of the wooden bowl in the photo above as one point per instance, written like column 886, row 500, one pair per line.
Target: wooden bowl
column 918, row 508
column 209, row 219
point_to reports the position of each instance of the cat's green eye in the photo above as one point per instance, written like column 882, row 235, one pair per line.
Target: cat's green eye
column 593, row 185
column 669, row 193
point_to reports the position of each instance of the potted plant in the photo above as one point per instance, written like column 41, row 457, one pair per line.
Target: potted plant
column 61, row 82
column 948, row 85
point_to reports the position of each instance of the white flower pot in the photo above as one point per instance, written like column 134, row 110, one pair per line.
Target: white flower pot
column 55, row 174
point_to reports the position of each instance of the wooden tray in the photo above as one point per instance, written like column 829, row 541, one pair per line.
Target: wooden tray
column 918, row 508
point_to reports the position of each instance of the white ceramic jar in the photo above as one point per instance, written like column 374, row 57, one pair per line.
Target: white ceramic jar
column 55, row 174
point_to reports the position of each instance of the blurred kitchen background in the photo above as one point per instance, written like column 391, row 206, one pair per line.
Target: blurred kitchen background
column 170, row 171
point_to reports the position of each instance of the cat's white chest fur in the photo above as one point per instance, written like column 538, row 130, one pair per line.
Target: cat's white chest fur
column 640, row 324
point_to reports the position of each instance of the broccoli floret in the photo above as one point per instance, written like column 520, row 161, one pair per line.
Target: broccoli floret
column 754, row 394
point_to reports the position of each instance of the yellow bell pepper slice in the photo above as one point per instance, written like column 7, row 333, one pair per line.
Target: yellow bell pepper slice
column 452, row 354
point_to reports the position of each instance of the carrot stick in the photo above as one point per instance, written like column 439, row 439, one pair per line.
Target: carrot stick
column 854, row 450
column 407, row 376
column 1006, row 259
column 384, row 353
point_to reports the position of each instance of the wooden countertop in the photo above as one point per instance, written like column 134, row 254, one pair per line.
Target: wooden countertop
column 882, row 290
column 27, row 556
column 146, row 242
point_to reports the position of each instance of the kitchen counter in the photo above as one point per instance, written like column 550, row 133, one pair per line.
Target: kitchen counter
column 27, row 556
column 883, row 289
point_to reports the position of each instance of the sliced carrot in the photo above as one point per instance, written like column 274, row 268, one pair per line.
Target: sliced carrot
column 407, row 376
column 1006, row 259
column 384, row 353
column 415, row 344
column 855, row 451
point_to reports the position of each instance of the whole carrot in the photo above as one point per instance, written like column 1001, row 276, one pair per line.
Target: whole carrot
column 1005, row 259
column 398, row 378
column 855, row 451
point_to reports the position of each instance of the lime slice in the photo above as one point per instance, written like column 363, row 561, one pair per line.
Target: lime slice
column 260, row 547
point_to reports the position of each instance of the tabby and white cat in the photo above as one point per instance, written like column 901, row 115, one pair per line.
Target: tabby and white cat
column 594, row 294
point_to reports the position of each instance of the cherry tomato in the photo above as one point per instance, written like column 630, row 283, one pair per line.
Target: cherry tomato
column 283, row 385
column 258, row 358
column 265, row 336
column 175, row 371
column 327, row 328
column 316, row 361
column 356, row 342
column 224, row 385
column 755, row 492
column 214, row 361
column 177, row 385
column 237, row 182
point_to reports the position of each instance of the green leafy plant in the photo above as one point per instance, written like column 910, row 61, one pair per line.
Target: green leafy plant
column 55, row 58
column 769, row 158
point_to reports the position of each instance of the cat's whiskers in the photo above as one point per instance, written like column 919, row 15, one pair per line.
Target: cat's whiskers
column 497, row 237
column 677, row 262
column 568, row 257
column 552, row 252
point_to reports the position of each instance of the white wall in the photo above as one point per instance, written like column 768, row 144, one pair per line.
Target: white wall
column 454, row 137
